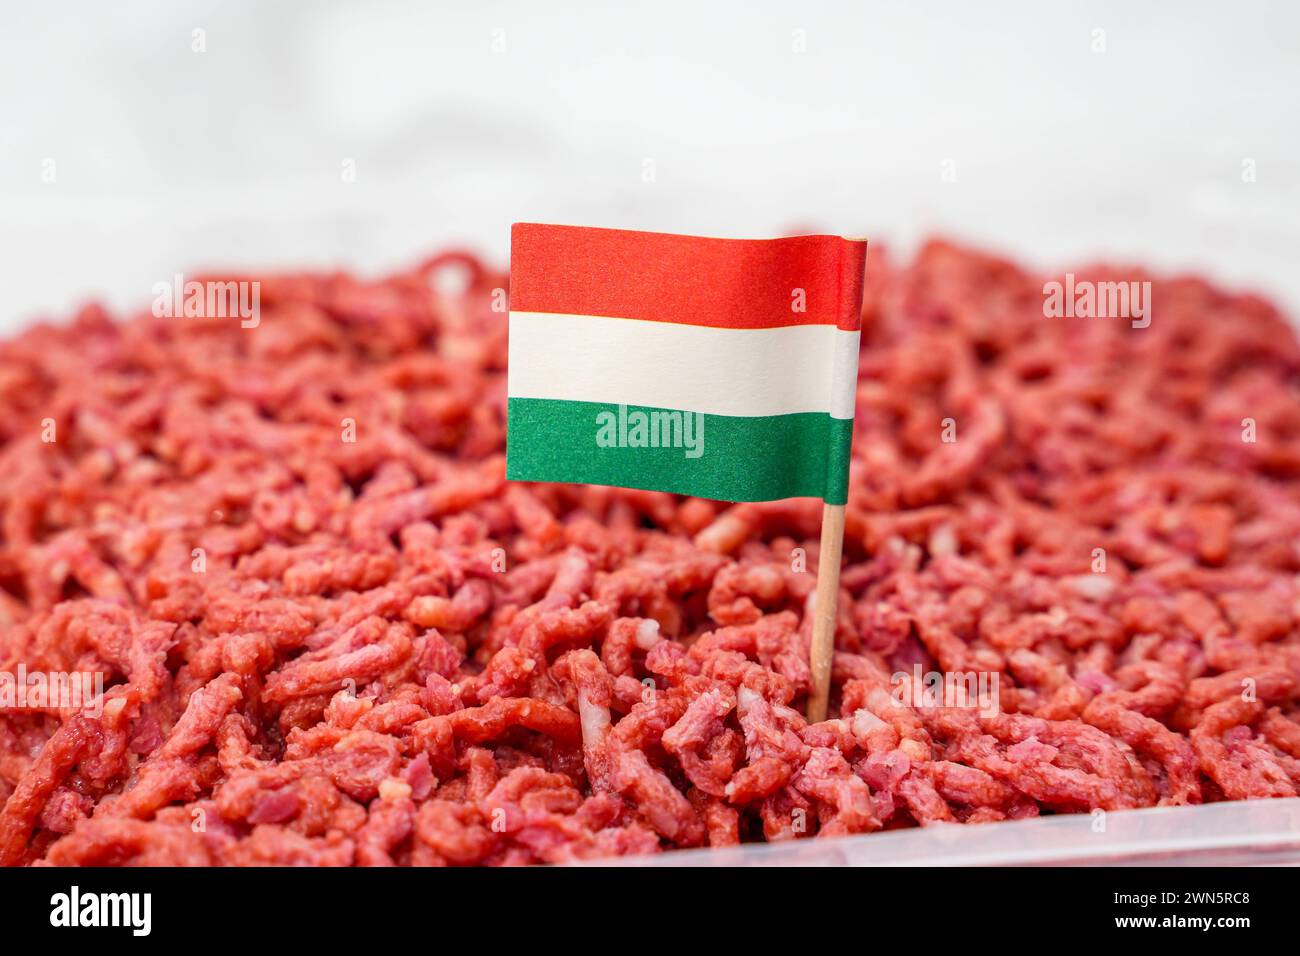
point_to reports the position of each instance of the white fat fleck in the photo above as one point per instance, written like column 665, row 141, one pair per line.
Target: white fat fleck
column 647, row 634
column 719, row 704
column 864, row 722
column 394, row 789
column 594, row 720
column 943, row 540
column 1096, row 587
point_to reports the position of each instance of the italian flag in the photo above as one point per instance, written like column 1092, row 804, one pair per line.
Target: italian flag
column 720, row 368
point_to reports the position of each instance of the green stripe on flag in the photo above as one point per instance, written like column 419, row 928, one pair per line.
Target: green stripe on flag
column 739, row 458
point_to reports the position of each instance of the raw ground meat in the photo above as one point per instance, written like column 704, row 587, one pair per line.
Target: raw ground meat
column 324, row 651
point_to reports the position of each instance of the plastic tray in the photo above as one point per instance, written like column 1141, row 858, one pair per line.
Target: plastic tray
column 1255, row 832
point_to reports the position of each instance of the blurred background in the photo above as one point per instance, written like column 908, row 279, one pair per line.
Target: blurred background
column 142, row 139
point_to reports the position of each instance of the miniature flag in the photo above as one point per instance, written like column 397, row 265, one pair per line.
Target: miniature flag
column 720, row 368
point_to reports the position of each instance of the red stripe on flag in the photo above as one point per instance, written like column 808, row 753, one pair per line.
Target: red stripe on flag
column 690, row 280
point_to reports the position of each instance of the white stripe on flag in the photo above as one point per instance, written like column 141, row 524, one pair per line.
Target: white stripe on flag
column 739, row 372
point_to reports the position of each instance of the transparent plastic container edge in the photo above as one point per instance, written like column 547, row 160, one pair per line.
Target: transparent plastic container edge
column 1252, row 832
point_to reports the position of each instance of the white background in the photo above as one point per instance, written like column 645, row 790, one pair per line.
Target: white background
column 170, row 160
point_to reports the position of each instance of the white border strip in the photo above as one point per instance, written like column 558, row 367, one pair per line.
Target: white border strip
column 747, row 373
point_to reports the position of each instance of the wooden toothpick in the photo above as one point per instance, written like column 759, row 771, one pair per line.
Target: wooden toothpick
column 825, row 609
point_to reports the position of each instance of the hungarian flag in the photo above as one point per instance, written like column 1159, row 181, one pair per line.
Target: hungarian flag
column 720, row 368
